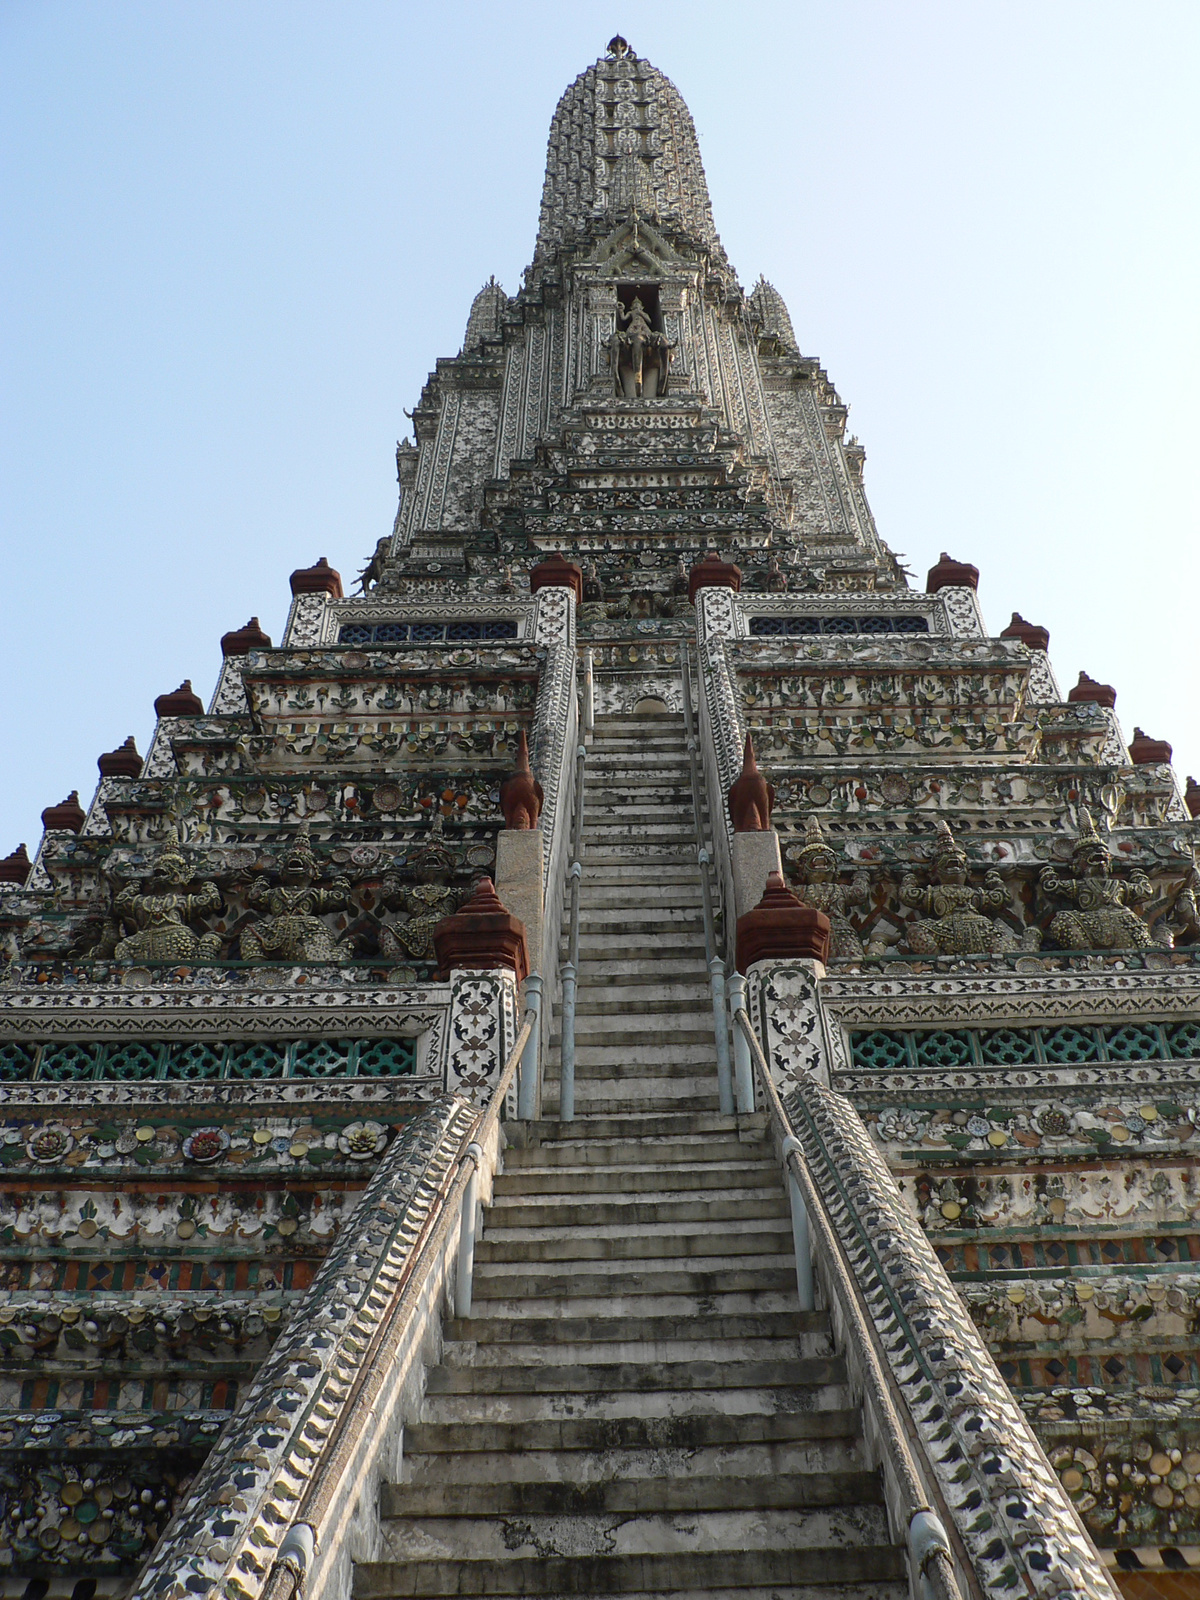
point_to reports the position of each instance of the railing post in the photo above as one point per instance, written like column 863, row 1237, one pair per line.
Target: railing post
column 527, row 1084
column 570, row 977
column 716, row 973
column 466, row 1236
column 742, row 1070
column 589, row 696
column 928, row 1543
column 800, row 1235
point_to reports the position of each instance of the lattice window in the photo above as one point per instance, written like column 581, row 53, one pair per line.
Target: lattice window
column 1184, row 1041
column 69, row 1063
column 879, row 1051
column 1069, row 1046
column 257, row 1060
column 392, row 633
column 16, row 1061
column 194, row 1061
column 323, row 1058
column 387, row 1058
column 1132, row 1044
column 943, row 1049
column 774, row 627
column 131, row 1062
column 1007, row 1047
column 355, row 633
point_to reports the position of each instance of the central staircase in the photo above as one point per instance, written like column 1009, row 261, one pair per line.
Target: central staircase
column 637, row 1406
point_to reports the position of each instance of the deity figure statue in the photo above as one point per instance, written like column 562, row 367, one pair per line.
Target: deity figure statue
column 817, row 886
column 958, row 918
column 1104, row 918
column 427, row 902
column 373, row 571
column 160, row 907
column 638, row 356
column 777, row 579
column 292, row 929
column 593, row 589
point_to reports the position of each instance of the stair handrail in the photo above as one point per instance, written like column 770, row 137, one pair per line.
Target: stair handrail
column 934, row 1548
column 971, row 1421
column 714, row 963
column 569, row 973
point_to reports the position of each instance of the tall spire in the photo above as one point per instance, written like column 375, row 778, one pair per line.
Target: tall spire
column 487, row 312
column 622, row 140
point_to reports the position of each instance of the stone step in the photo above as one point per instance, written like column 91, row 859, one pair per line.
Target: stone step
column 753, row 1126
column 759, row 1236
column 647, row 1039
column 654, row 1151
column 640, row 1055
column 704, row 1276
column 786, row 1325
column 669, row 977
column 597, row 897
column 673, row 1571
column 636, row 1095
column 676, row 999
column 643, row 1300
column 723, row 1205
column 636, row 877
column 659, row 831
column 641, row 921
column 482, row 1354
column 625, row 1495
column 675, row 944
column 664, row 1182
column 673, row 1377
column 611, row 1404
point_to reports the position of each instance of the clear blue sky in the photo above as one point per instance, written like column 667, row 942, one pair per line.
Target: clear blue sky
column 236, row 237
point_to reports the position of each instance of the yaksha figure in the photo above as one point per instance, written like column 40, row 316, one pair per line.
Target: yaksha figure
column 1104, row 918
column 638, row 357
column 161, row 906
column 959, row 917
column 817, row 886
column 427, row 901
column 292, row 930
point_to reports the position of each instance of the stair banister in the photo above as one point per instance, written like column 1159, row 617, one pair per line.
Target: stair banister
column 716, row 966
column 589, row 695
column 527, row 1082
column 570, row 971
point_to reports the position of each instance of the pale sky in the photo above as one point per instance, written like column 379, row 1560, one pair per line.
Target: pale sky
column 236, row 237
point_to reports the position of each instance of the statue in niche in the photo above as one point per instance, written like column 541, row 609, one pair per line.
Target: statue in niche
column 638, row 356
column 817, row 885
column 160, row 907
column 959, row 920
column 777, row 579
column 291, row 929
column 420, row 906
column 593, row 589
column 1104, row 918
column 373, row 571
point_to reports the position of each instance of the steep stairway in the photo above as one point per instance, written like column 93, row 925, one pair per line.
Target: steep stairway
column 636, row 1405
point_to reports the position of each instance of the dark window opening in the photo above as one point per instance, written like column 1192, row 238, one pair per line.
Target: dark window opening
column 647, row 293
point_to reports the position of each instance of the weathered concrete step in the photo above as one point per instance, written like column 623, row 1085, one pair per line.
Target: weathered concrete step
column 641, row 1377
column 667, row 1182
column 612, row 1403
column 635, row 1433
column 678, row 999
column 637, row 1096
column 615, row 873
column 623, row 1574
column 630, row 1495
column 602, row 977
column 481, row 1354
column 650, row 1126
column 630, row 946
column 761, row 1325
column 500, row 1281
column 596, row 896
column 759, row 1236
column 724, row 1205
column 643, row 921
column 636, row 1049
column 675, row 1155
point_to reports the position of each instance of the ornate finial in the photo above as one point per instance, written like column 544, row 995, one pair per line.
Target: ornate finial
column 618, row 47
column 946, row 847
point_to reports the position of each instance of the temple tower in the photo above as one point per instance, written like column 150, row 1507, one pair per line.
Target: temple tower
column 854, row 1065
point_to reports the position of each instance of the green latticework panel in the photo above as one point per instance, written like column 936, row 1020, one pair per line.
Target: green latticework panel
column 322, row 1058
column 131, row 1062
column 387, row 1058
column 16, row 1061
column 1184, row 1041
column 1007, row 1047
column 1067, row 1046
column 878, row 1050
column 1132, row 1044
column 257, row 1060
column 193, row 1061
column 69, row 1063
column 943, row 1049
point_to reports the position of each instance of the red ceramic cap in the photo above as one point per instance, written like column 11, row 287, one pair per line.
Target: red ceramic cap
column 242, row 640
column 951, row 574
column 1191, row 797
column 15, row 868
column 1144, row 751
column 1029, row 633
column 713, row 573
column 318, row 579
column 556, row 572
column 781, row 929
column 124, row 762
column 181, row 702
column 1087, row 689
column 68, row 815
column 482, row 933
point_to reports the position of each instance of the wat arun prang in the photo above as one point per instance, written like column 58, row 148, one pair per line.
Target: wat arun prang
column 222, row 999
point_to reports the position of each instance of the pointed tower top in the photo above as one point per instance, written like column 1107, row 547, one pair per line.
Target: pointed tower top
column 622, row 141
column 768, row 303
column 487, row 313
